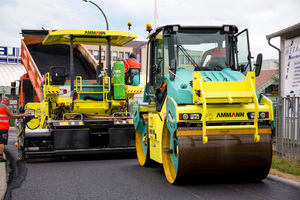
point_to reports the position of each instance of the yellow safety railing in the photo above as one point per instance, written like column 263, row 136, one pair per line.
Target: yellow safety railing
column 204, row 128
column 47, row 83
column 105, row 89
column 225, row 92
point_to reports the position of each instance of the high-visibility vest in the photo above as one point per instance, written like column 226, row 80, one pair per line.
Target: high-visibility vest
column 132, row 63
column 219, row 52
column 4, row 118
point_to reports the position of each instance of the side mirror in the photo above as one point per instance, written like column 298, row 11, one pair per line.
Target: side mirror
column 13, row 91
column 173, row 69
column 258, row 64
column 13, row 88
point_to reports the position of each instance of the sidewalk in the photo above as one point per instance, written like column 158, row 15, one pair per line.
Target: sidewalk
column 3, row 179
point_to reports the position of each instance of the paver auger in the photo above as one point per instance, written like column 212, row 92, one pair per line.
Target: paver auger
column 201, row 114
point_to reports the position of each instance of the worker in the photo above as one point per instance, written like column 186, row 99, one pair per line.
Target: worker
column 5, row 114
column 131, row 64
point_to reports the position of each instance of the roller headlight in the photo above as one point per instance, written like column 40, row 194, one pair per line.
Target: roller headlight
column 262, row 115
column 185, row 116
column 195, row 116
column 190, row 116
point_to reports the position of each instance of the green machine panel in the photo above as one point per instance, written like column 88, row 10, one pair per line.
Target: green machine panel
column 119, row 80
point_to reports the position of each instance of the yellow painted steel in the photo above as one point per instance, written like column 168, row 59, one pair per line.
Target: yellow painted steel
column 223, row 131
column 155, row 133
column 51, row 92
column 143, row 109
column 18, row 136
column 227, row 108
column 38, row 122
column 224, row 91
column 205, row 92
column 170, row 171
column 104, row 92
column 240, row 110
column 139, row 149
column 256, row 136
column 117, row 38
column 268, row 102
column 131, row 90
column 156, row 122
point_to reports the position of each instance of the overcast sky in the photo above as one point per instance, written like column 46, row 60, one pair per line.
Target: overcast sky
column 261, row 17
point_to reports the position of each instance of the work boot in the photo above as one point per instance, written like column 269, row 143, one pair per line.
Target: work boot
column 2, row 159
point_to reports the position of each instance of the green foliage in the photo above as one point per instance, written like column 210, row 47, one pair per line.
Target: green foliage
column 286, row 165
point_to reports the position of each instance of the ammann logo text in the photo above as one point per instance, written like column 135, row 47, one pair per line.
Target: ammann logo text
column 94, row 32
column 229, row 114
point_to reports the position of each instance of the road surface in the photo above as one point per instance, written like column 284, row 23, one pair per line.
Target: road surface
column 121, row 177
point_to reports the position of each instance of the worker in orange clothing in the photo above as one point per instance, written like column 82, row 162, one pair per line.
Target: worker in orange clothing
column 5, row 114
column 130, row 63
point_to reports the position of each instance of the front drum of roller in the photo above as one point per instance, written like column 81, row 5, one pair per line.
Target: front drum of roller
column 236, row 156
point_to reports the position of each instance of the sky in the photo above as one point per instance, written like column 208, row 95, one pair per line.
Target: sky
column 261, row 17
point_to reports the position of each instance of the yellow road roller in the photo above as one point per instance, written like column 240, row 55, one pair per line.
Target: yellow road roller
column 200, row 114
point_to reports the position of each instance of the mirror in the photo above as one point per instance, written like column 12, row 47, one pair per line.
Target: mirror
column 13, row 91
column 173, row 69
column 258, row 64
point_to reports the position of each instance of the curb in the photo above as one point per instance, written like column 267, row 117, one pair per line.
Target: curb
column 286, row 181
column 3, row 179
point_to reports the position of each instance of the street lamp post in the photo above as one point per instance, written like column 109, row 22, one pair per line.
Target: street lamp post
column 108, row 39
column 107, row 51
column 107, row 28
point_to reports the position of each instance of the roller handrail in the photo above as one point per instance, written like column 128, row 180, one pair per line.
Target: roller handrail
column 203, row 101
column 81, row 116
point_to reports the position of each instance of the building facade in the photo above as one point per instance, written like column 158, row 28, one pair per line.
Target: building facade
column 288, row 109
column 10, row 67
column 121, row 53
column 11, row 70
column 267, row 81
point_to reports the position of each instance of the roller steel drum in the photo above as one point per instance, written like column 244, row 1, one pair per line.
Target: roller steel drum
column 236, row 156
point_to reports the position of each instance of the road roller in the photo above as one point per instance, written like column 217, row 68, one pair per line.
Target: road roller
column 201, row 115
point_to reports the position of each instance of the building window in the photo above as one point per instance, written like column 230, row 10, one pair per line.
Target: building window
column 138, row 54
column 193, row 58
column 115, row 56
column 186, row 60
column 121, row 55
column 181, row 59
column 96, row 54
column 197, row 60
column 126, row 55
column 102, row 55
column 91, row 52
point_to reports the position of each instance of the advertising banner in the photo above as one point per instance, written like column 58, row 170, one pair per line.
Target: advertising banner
column 292, row 67
column 10, row 54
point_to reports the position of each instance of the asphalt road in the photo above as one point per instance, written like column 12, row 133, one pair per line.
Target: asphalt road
column 121, row 177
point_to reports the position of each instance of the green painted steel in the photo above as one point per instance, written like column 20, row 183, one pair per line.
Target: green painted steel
column 119, row 80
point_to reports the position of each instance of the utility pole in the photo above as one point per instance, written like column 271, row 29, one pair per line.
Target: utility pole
column 155, row 14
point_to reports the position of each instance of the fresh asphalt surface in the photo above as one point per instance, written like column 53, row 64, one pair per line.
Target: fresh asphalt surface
column 121, row 177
